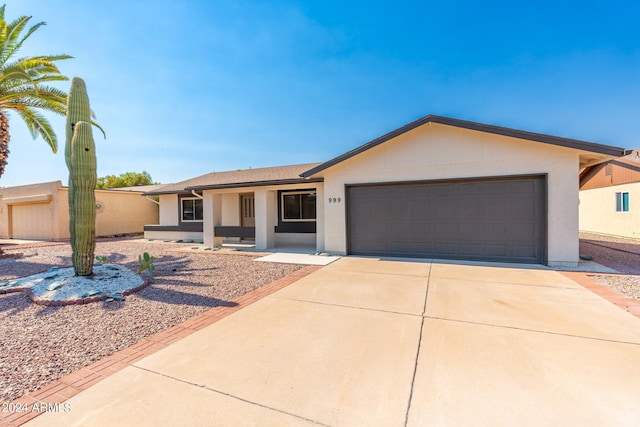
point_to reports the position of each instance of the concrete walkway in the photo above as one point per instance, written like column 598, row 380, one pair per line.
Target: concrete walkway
column 368, row 342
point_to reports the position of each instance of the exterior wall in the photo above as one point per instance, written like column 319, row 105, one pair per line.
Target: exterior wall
column 435, row 151
column 185, row 236
column 283, row 239
column 598, row 211
column 169, row 209
column 24, row 195
column 230, row 209
column 121, row 212
column 230, row 213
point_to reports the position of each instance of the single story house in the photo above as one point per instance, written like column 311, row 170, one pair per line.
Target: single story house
column 437, row 188
column 41, row 211
column 609, row 195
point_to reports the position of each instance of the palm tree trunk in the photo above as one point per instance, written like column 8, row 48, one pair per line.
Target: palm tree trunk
column 4, row 145
column 4, row 142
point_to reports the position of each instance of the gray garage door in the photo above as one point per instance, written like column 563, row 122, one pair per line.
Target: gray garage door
column 482, row 219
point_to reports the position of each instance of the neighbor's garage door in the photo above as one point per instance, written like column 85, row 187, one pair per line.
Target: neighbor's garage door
column 482, row 219
column 31, row 221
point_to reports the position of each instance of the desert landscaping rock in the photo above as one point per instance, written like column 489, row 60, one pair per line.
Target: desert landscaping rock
column 63, row 285
column 40, row 344
column 621, row 254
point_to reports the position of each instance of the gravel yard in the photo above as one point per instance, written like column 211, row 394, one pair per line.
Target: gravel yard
column 618, row 253
column 41, row 344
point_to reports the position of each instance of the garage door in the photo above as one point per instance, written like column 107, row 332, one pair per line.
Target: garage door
column 31, row 221
column 481, row 219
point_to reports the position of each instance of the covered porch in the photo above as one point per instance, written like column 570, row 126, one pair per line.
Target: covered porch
column 265, row 218
column 247, row 218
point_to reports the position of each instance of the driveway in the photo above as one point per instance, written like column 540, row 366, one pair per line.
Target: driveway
column 366, row 342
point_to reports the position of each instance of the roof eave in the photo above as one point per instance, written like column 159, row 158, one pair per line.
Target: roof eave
column 161, row 193
column 253, row 184
column 498, row 130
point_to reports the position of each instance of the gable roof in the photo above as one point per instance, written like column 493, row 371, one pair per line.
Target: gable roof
column 623, row 170
column 497, row 130
column 239, row 178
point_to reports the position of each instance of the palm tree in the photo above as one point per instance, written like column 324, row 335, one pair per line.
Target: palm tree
column 21, row 85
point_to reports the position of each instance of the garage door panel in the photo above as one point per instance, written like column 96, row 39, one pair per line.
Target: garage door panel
column 401, row 232
column 401, row 211
column 442, row 230
column 468, row 249
column 491, row 219
column 446, row 248
column 496, row 250
column 401, row 248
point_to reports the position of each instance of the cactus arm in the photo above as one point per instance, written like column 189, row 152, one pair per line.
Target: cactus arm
column 78, row 110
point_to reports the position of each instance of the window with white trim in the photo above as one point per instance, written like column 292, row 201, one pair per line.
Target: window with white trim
column 298, row 206
column 191, row 209
column 622, row 201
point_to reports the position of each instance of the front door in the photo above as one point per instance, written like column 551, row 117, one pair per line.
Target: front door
column 247, row 210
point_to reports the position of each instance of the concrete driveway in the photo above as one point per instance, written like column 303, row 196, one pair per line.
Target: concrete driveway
column 369, row 342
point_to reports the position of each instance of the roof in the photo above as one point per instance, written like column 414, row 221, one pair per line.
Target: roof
column 622, row 170
column 135, row 189
column 240, row 178
column 497, row 130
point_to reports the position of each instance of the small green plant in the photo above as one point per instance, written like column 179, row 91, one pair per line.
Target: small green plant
column 146, row 263
column 101, row 259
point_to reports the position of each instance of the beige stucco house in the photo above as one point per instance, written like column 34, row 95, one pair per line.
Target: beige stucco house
column 41, row 211
column 436, row 188
column 609, row 194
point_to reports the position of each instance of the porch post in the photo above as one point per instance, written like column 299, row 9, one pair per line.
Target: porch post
column 266, row 212
column 320, row 218
column 211, row 217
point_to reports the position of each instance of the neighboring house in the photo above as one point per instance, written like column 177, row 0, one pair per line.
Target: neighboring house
column 436, row 188
column 610, row 197
column 41, row 211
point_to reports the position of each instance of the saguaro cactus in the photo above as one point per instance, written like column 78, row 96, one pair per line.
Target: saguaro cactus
column 80, row 156
column 83, row 159
column 78, row 110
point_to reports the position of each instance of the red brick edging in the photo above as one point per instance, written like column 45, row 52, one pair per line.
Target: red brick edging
column 59, row 391
column 586, row 280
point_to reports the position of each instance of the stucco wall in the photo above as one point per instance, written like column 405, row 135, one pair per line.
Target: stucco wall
column 230, row 209
column 121, row 212
column 598, row 211
column 435, row 151
column 43, row 193
column 169, row 210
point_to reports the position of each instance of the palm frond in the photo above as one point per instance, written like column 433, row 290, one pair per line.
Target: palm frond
column 38, row 125
column 23, row 87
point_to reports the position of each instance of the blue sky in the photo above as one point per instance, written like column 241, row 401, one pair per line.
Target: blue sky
column 186, row 88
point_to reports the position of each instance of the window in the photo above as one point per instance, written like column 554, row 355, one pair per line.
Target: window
column 192, row 209
column 622, row 202
column 299, row 206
